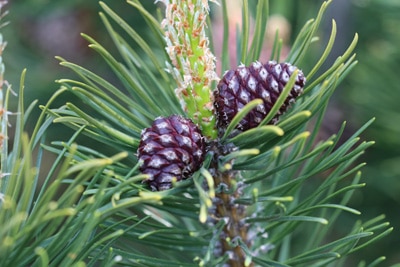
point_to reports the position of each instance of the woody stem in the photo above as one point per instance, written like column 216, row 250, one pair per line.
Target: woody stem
column 226, row 209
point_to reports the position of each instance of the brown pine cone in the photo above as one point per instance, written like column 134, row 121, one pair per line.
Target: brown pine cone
column 171, row 148
column 244, row 84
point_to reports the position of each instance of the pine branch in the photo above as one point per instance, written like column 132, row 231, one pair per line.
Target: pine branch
column 265, row 190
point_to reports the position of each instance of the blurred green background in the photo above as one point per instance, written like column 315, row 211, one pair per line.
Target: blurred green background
column 43, row 29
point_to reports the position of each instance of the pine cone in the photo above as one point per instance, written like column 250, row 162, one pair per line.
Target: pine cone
column 171, row 148
column 244, row 84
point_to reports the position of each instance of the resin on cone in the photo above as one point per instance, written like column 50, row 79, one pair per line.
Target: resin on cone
column 244, row 84
column 171, row 149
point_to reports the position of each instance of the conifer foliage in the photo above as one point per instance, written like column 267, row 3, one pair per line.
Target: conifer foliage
column 194, row 168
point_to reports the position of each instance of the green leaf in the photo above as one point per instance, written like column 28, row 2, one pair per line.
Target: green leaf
column 225, row 63
column 268, row 263
column 245, row 33
column 288, row 219
column 105, row 128
column 310, row 255
column 255, row 136
column 259, row 31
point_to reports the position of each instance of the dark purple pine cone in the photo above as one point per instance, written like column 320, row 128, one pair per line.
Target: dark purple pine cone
column 244, row 84
column 171, row 148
